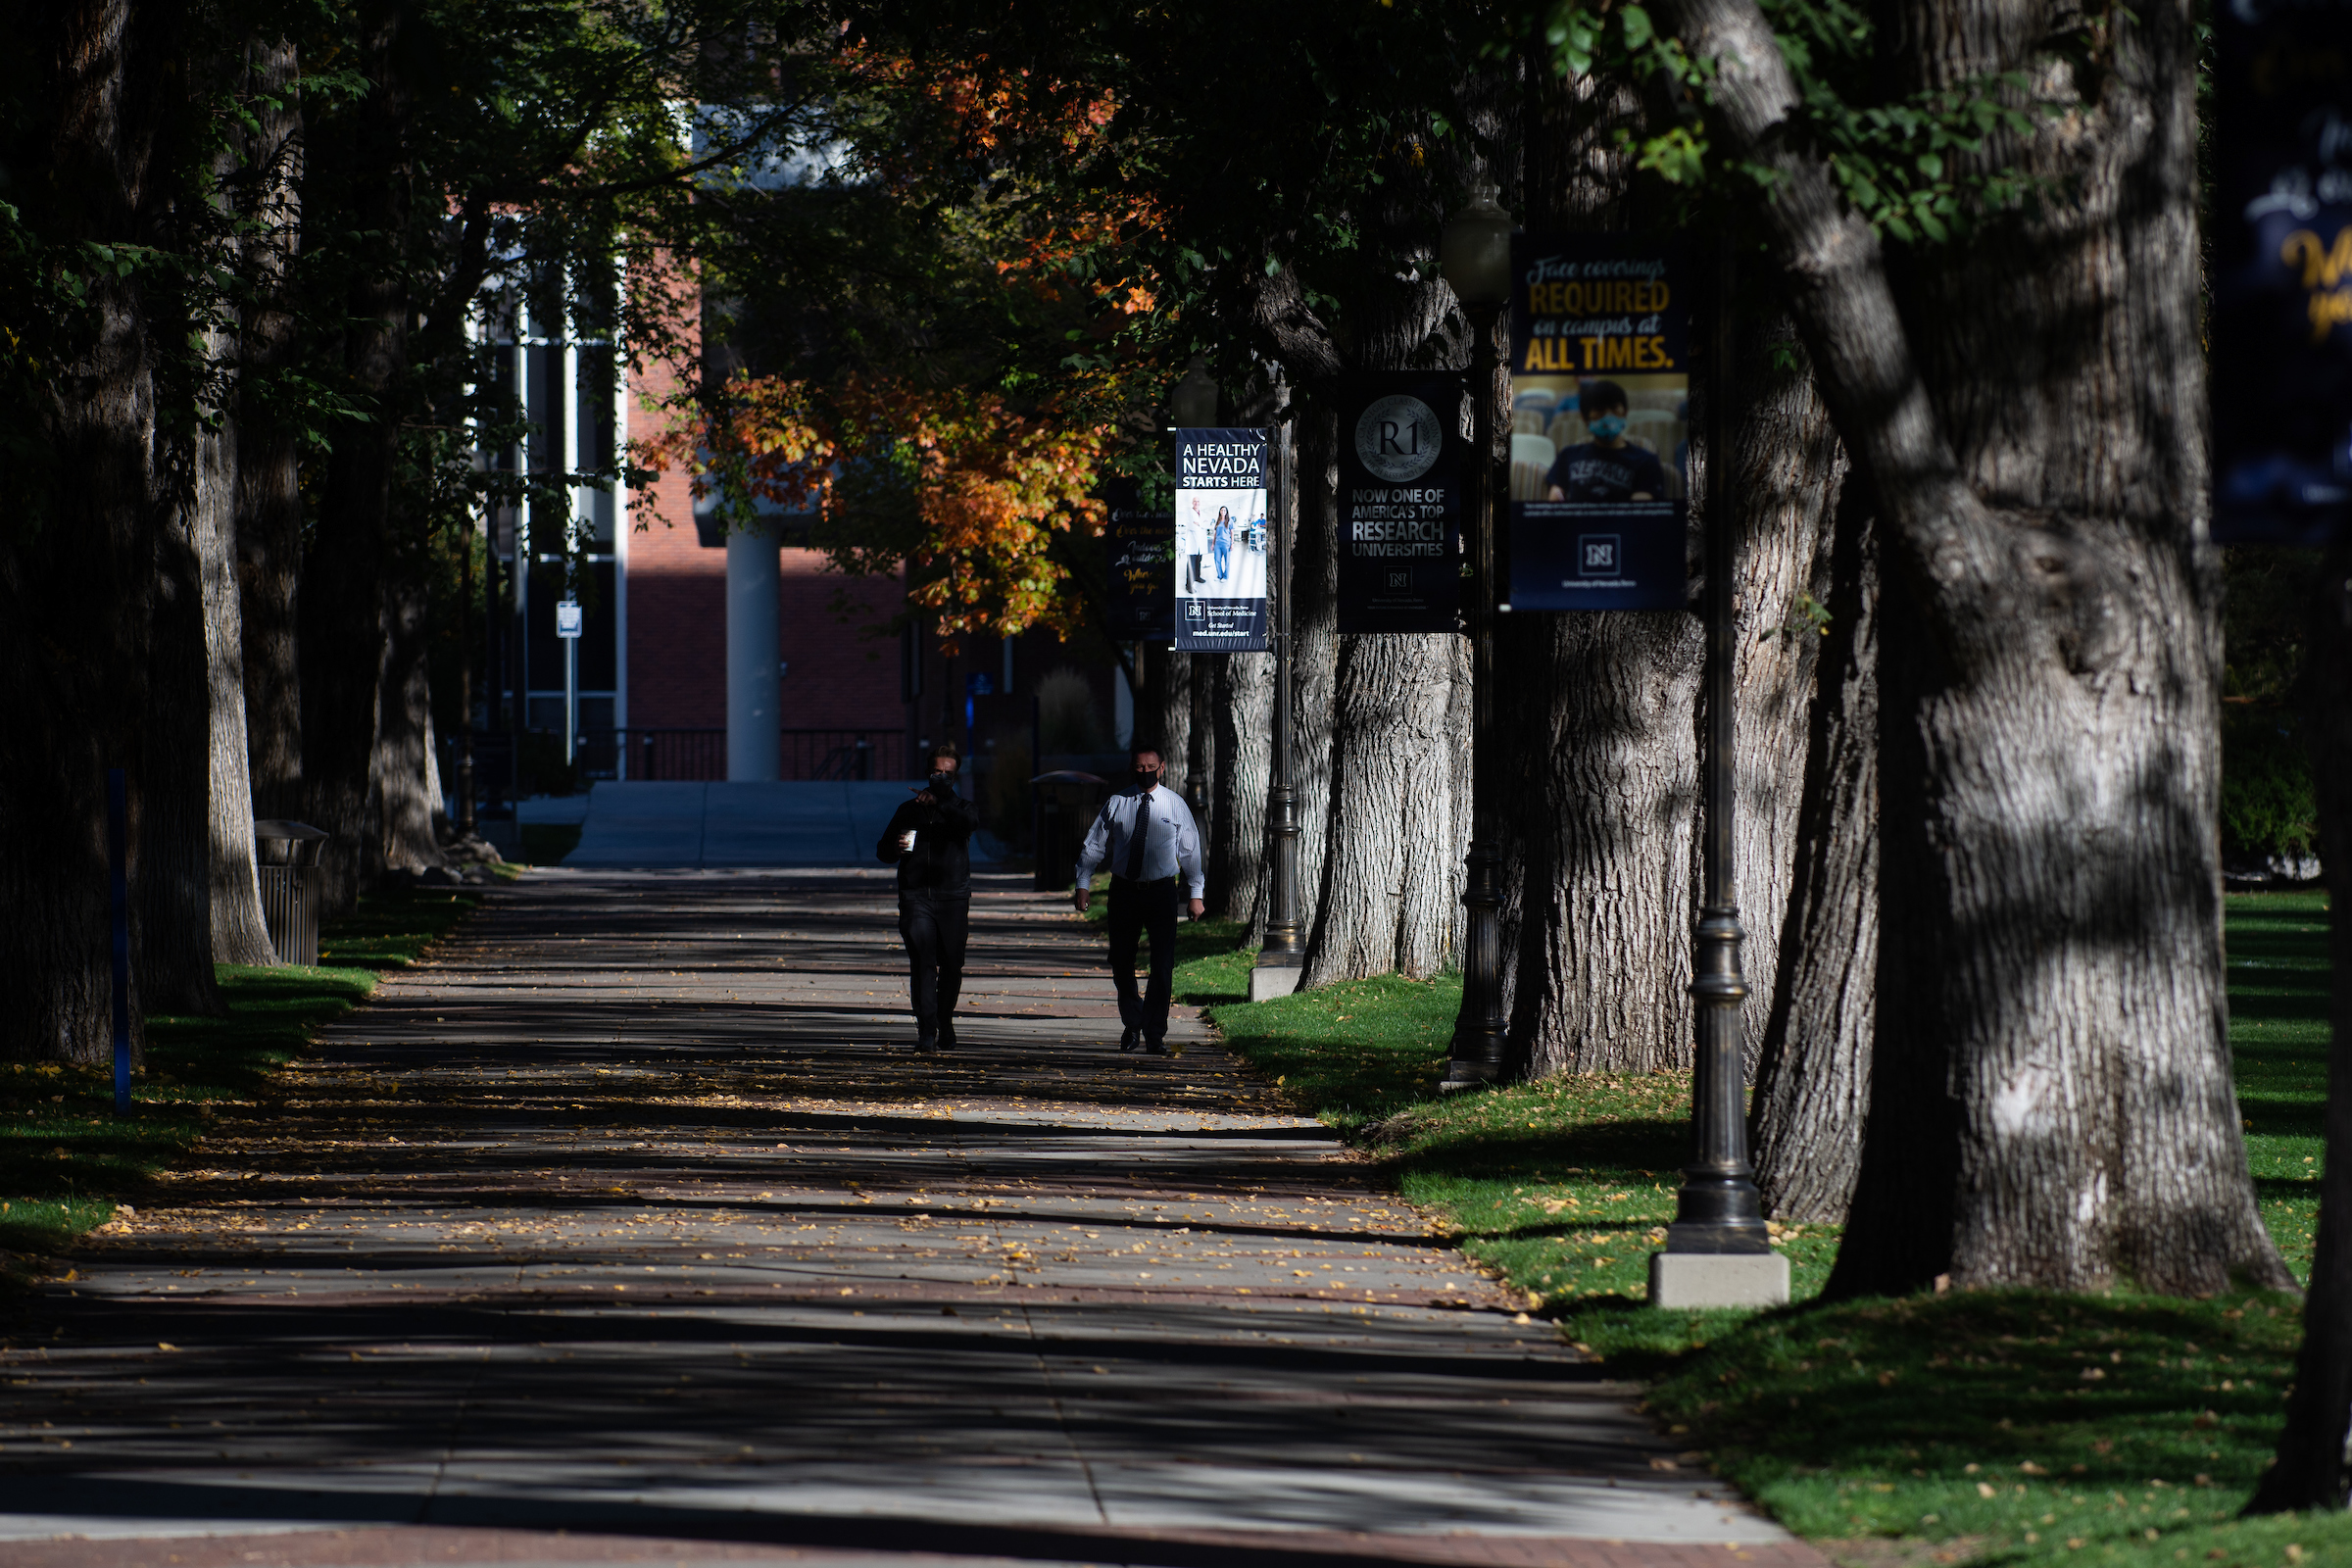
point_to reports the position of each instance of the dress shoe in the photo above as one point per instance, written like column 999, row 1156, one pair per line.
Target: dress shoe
column 926, row 1042
column 1130, row 1039
column 946, row 1034
column 1156, row 1048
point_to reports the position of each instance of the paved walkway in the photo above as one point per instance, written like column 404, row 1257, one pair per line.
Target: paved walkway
column 830, row 823
column 629, row 1232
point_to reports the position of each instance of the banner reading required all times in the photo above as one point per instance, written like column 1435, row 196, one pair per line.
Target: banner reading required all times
column 1401, row 455
column 1600, row 423
column 1221, row 540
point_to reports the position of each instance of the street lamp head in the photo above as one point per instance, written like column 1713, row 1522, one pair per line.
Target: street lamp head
column 1193, row 404
column 1474, row 253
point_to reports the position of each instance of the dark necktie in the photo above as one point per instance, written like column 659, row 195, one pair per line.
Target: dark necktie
column 1135, row 839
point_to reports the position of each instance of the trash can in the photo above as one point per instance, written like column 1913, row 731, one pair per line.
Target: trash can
column 287, row 862
column 1063, row 806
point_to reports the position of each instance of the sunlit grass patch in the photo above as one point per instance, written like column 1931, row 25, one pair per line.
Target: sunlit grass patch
column 68, row 1160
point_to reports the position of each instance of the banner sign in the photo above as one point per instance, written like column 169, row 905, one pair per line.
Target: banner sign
column 1401, row 459
column 1138, row 546
column 1222, row 541
column 1600, row 423
column 2282, row 393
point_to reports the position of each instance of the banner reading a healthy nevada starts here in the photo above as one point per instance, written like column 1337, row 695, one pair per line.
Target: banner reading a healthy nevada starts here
column 1222, row 541
column 1600, row 423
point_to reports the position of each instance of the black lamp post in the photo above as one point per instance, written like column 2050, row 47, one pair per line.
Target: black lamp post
column 1717, row 1252
column 1276, row 972
column 1475, row 256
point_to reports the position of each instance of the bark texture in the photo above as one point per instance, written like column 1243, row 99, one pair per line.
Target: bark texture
column 2028, row 412
column 239, row 933
column 2309, row 1468
column 1813, row 1071
column 1392, row 871
column 78, row 550
column 1243, row 713
column 1600, row 820
column 343, row 626
column 1315, row 634
column 173, row 930
column 267, row 531
column 404, row 759
column 1168, row 707
column 1787, row 470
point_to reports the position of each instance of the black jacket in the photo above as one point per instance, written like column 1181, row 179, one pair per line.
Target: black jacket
column 941, row 861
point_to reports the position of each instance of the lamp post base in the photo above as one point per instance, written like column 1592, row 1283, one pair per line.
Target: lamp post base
column 1270, row 980
column 1681, row 1281
column 1461, row 1074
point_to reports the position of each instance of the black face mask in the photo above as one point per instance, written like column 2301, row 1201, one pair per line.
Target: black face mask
column 943, row 785
column 1145, row 780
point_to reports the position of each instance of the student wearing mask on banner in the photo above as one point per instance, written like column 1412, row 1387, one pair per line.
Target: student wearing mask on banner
column 1220, row 544
column 930, row 838
column 1145, row 835
column 1608, row 468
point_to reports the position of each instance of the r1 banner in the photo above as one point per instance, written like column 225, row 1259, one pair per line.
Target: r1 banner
column 1138, row 546
column 1222, row 541
column 2282, row 394
column 1401, row 456
column 1600, row 423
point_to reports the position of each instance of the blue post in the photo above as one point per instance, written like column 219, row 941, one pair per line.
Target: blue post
column 118, row 833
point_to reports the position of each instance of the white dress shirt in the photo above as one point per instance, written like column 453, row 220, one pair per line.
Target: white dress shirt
column 1172, row 846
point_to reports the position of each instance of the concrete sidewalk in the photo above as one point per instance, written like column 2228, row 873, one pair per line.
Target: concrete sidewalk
column 629, row 1232
column 830, row 823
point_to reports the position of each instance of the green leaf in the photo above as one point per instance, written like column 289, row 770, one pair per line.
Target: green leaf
column 1638, row 29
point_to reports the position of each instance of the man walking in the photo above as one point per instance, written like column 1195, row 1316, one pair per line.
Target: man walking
column 1146, row 834
column 929, row 837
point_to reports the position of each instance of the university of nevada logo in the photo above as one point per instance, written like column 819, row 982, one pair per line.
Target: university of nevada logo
column 1597, row 555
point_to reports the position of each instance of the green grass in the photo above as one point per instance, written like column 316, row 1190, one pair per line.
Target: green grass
column 1861, row 1420
column 66, row 1160
column 2008, row 1426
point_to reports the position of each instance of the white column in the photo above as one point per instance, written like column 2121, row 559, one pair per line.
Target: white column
column 754, row 571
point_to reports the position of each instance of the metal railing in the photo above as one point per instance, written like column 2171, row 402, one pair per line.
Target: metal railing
column 700, row 755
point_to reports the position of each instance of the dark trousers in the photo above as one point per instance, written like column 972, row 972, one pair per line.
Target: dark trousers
column 934, row 926
column 1137, row 907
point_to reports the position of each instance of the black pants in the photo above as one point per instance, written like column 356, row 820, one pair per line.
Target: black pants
column 934, row 926
column 1135, row 908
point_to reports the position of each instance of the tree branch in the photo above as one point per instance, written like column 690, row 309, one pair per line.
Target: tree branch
column 1845, row 308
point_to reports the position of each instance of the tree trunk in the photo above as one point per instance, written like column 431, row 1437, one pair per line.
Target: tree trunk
column 1599, row 744
column 344, row 626
column 173, row 881
column 76, row 578
column 2310, row 1469
column 1168, row 702
column 1389, row 882
column 1599, row 718
column 404, row 735
column 1314, row 647
column 1813, row 1070
column 268, row 531
column 2029, row 420
column 1244, row 748
column 1786, row 468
